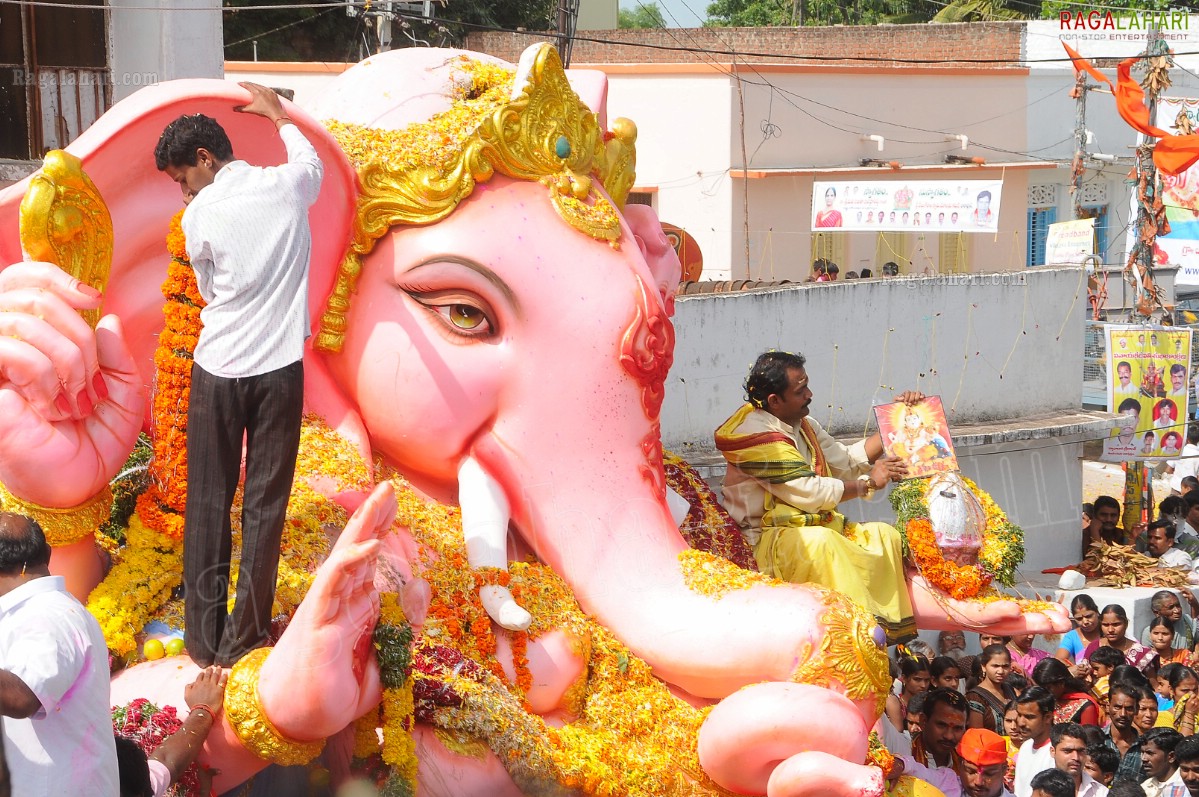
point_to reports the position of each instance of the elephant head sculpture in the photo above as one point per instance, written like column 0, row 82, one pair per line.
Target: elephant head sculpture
column 494, row 328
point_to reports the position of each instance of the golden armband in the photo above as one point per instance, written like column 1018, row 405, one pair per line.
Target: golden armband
column 244, row 711
column 63, row 526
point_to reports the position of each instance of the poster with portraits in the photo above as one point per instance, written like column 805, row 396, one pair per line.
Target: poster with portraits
column 906, row 205
column 1148, row 375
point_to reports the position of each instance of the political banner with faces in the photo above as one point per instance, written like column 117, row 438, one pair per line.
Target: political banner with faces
column 1148, row 370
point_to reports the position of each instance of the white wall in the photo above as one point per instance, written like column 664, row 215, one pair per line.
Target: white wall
column 307, row 80
column 182, row 39
column 992, row 346
column 683, row 140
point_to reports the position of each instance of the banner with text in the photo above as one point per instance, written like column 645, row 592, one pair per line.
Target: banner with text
column 1180, row 194
column 907, row 206
column 1147, row 371
column 1069, row 242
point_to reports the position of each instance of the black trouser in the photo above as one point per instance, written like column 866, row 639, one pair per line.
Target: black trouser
column 267, row 408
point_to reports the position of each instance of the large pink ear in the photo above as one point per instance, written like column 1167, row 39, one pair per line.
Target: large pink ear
column 655, row 247
column 118, row 154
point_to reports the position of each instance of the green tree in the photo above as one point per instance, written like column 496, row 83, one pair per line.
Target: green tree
column 762, row 13
column 642, row 16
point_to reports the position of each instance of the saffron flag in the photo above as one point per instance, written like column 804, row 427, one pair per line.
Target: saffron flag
column 1172, row 154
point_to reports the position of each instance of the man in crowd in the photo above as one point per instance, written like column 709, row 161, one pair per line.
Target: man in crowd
column 249, row 242
column 1122, row 735
column 53, row 675
column 1159, row 764
column 785, row 481
column 1052, row 783
column 1159, row 543
column 1107, row 512
column 1188, row 462
column 1069, row 745
column 1187, row 756
column 1034, row 715
column 979, row 764
column 1165, row 603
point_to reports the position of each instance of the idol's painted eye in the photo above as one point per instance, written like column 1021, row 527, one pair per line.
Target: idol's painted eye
column 461, row 313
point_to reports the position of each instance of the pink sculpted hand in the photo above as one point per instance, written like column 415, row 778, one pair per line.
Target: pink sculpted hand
column 71, row 399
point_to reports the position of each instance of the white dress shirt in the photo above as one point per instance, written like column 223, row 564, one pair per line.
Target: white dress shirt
column 1173, row 786
column 1091, row 787
column 1173, row 557
column 1187, row 466
column 51, row 642
column 249, row 242
column 1030, row 762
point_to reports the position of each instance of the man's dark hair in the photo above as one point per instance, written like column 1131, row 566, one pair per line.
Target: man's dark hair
column 1107, row 759
column 866, row 274
column 890, row 269
column 1095, row 736
column 179, row 141
column 1166, row 739
column 1192, row 497
column 1064, row 729
column 1053, row 782
column 1108, row 657
column 1123, row 787
column 1171, row 505
column 1107, row 501
column 132, row 769
column 1128, row 404
column 1193, row 437
column 1177, row 368
column 1166, row 525
column 1190, row 483
column 832, row 268
column 1039, row 695
column 982, row 194
column 947, row 697
column 916, row 704
column 1016, row 682
column 769, row 375
column 1124, row 364
column 1128, row 690
column 1187, row 749
column 22, row 544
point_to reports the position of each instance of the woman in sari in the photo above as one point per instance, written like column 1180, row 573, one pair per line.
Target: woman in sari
column 828, row 217
column 989, row 699
column 1074, row 702
column 1085, row 615
column 1113, row 627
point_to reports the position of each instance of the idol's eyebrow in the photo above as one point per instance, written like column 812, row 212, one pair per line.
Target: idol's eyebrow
column 480, row 269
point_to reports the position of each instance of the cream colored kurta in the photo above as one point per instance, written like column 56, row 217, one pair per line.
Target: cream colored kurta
column 744, row 496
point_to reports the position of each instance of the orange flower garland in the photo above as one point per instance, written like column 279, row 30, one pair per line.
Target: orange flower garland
column 161, row 506
column 957, row 581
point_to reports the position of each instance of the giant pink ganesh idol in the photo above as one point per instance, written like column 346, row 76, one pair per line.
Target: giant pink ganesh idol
column 493, row 337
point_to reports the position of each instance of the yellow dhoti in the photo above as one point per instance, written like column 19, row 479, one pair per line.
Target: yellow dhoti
column 866, row 568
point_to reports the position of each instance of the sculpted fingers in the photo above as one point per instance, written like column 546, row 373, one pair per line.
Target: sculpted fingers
column 28, row 372
column 49, row 277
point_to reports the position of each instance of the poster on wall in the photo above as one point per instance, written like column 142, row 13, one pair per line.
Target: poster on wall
column 1069, row 243
column 918, row 434
column 1148, row 370
column 907, row 206
column 1180, row 194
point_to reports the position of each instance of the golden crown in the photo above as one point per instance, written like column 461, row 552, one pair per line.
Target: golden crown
column 544, row 133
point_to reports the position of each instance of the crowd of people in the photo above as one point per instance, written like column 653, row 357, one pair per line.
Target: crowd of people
column 825, row 270
column 1109, row 713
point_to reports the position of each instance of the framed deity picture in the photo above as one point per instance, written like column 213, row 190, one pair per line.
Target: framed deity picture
column 918, row 434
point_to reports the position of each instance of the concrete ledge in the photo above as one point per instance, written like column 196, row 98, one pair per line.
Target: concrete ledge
column 14, row 171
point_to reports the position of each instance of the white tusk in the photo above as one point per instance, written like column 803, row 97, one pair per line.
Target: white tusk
column 678, row 506
column 485, row 514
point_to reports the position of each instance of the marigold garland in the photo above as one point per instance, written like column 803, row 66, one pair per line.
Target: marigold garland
column 393, row 645
column 1002, row 550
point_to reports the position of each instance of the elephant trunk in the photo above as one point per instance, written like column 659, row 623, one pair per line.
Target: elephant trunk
column 602, row 523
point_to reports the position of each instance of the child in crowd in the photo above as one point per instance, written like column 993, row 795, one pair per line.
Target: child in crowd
column 1161, row 638
column 1165, row 695
column 1180, row 687
column 1101, row 763
column 945, row 672
column 1013, row 737
column 1017, row 682
column 914, row 677
column 915, row 722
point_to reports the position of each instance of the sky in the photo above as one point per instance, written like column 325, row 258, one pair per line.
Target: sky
column 678, row 13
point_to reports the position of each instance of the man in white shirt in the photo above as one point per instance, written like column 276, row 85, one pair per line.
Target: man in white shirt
column 1069, row 745
column 54, row 681
column 1034, row 715
column 1159, row 543
column 1188, row 462
column 1159, row 764
column 249, row 243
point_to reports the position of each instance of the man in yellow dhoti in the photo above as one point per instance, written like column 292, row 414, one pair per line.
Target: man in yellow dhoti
column 785, row 479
